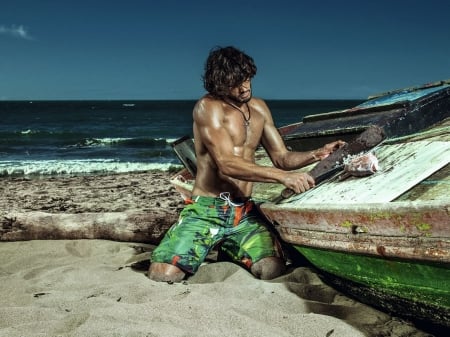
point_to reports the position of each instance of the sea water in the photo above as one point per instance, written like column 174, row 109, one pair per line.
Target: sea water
column 97, row 137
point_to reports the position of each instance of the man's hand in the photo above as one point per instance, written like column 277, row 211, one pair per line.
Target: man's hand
column 327, row 149
column 298, row 182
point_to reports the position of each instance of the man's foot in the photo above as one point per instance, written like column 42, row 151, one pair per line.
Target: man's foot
column 268, row 268
column 164, row 272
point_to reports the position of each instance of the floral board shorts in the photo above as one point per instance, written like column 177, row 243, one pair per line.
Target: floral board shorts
column 205, row 222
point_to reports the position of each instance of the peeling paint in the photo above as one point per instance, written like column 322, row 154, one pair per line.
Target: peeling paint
column 346, row 224
column 423, row 227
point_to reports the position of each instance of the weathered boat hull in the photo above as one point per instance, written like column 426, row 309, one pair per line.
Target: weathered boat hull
column 384, row 239
column 405, row 230
column 394, row 256
column 411, row 289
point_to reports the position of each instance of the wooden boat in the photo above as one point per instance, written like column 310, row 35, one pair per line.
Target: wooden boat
column 383, row 238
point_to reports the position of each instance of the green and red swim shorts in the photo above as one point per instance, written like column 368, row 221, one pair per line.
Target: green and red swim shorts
column 205, row 222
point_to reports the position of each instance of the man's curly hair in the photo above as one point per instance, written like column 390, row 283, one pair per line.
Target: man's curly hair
column 226, row 68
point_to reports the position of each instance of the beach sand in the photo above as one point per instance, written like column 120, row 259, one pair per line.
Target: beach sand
column 100, row 288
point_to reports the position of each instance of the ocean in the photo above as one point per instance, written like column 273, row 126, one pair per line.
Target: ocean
column 40, row 138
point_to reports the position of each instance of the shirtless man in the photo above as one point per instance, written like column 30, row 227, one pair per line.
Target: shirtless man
column 229, row 125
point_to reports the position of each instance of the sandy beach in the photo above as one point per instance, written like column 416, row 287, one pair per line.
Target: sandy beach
column 99, row 287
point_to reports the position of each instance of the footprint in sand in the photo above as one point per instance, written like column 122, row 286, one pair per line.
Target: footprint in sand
column 79, row 249
column 35, row 272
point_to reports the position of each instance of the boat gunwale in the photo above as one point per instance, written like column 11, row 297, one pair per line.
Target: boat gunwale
column 435, row 250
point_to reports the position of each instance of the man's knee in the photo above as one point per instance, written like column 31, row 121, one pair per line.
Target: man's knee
column 268, row 268
column 164, row 272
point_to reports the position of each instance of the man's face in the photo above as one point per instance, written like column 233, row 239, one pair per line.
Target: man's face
column 241, row 93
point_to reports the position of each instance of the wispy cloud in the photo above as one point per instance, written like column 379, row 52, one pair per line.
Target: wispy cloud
column 18, row 31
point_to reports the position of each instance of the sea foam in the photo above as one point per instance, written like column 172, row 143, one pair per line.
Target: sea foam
column 76, row 167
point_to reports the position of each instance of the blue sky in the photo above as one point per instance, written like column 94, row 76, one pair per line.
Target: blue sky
column 156, row 49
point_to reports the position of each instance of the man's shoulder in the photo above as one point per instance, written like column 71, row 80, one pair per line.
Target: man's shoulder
column 209, row 99
column 207, row 102
column 257, row 101
column 259, row 104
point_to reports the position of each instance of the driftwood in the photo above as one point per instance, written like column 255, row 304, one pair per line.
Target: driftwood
column 149, row 226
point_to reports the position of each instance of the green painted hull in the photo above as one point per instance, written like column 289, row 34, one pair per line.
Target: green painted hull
column 418, row 290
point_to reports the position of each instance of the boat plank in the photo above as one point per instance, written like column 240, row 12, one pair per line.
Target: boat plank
column 402, row 166
column 435, row 187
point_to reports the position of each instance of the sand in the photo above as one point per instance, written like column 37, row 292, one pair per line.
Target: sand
column 100, row 288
